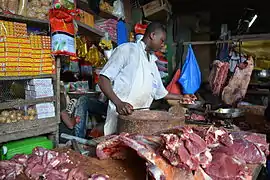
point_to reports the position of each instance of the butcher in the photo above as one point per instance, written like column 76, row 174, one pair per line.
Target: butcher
column 131, row 79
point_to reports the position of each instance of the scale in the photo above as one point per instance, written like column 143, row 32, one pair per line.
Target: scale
column 223, row 116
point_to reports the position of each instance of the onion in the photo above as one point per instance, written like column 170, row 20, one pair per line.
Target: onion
column 5, row 113
column 2, row 119
column 19, row 118
column 8, row 120
column 12, row 116
column 31, row 118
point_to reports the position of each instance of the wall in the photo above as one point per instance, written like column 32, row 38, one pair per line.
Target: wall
column 189, row 30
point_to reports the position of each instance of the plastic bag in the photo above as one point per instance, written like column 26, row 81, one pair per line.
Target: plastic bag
column 118, row 9
column 190, row 78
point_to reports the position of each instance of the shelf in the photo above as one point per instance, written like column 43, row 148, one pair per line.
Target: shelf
column 97, row 34
column 9, row 78
column 22, row 19
column 94, row 32
column 21, row 102
column 25, row 129
column 83, row 4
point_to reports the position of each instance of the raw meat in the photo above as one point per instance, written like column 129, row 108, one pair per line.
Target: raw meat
column 214, row 136
column 238, row 84
column 197, row 117
column 218, row 76
column 244, row 150
column 44, row 163
column 258, row 139
column 225, row 167
column 187, row 150
column 156, row 165
column 193, row 142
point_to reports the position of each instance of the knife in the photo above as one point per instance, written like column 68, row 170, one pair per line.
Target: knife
column 136, row 109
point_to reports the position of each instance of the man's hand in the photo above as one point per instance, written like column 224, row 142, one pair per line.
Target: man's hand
column 124, row 108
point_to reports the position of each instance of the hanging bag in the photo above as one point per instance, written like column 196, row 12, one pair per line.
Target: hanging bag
column 190, row 78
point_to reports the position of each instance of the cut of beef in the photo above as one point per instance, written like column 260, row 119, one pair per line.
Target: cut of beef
column 41, row 163
column 214, row 136
column 193, row 142
column 238, row 84
column 257, row 139
column 225, row 167
column 156, row 165
column 197, row 117
column 218, row 76
column 245, row 151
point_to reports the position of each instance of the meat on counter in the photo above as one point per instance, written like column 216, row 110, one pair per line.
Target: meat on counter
column 45, row 164
column 211, row 152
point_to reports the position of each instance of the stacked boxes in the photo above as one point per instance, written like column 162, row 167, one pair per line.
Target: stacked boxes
column 22, row 55
column 25, row 56
column 8, row 28
column 39, row 88
column 45, row 110
column 87, row 18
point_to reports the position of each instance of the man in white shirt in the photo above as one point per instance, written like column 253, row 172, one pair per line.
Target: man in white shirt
column 133, row 72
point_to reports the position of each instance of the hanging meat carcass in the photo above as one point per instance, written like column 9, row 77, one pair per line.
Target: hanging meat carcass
column 218, row 76
column 238, row 84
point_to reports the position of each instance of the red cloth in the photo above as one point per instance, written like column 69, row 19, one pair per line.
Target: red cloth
column 174, row 87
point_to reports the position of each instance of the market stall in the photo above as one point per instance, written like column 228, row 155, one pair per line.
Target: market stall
column 47, row 54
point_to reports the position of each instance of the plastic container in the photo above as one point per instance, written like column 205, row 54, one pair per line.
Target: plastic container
column 24, row 146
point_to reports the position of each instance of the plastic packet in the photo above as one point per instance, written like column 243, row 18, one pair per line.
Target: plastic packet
column 13, row 6
column 23, row 7
column 118, row 9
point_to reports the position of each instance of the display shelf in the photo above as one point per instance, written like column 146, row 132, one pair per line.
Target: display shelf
column 97, row 34
column 93, row 31
column 21, row 102
column 83, row 4
column 25, row 129
column 9, row 78
column 17, row 18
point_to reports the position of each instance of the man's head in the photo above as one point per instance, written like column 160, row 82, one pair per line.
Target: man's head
column 155, row 36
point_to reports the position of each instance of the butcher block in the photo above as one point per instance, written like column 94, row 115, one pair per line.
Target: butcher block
column 148, row 122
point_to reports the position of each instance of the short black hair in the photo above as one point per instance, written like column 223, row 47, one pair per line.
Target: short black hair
column 154, row 26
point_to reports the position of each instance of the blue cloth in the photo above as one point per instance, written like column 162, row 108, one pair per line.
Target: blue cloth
column 122, row 36
column 87, row 106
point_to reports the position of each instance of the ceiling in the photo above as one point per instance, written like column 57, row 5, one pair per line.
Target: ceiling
column 226, row 12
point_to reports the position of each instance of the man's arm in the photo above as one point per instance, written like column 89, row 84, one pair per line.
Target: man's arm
column 108, row 74
column 106, row 87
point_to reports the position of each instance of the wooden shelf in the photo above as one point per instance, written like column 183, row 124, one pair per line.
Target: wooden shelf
column 95, row 33
column 21, row 102
column 27, row 20
column 83, row 4
column 25, row 129
column 10, row 78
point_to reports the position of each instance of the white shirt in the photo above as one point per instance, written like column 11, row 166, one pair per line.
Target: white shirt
column 136, row 80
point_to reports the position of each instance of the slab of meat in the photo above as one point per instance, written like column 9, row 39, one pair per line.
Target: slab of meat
column 225, row 167
column 186, row 150
column 214, row 136
column 245, row 151
column 193, row 142
column 238, row 84
column 156, row 165
column 47, row 164
column 218, row 76
column 258, row 139
column 197, row 117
